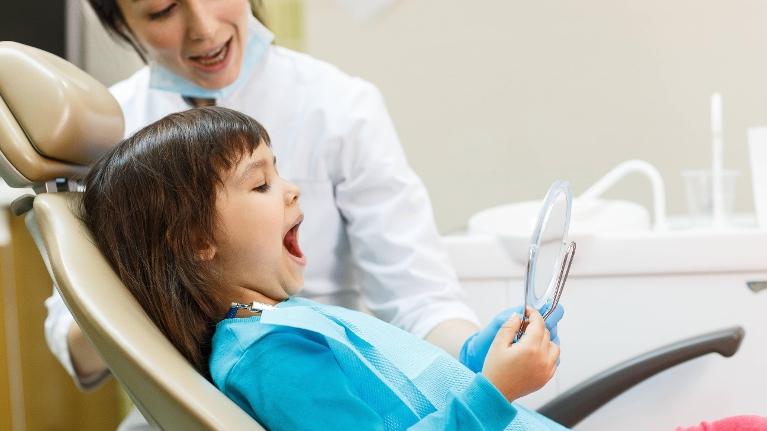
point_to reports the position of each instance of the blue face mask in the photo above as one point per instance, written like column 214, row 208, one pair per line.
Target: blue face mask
column 259, row 39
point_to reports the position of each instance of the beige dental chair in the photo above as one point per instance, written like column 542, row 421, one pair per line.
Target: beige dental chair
column 55, row 120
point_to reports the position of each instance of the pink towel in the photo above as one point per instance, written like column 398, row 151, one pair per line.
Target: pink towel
column 734, row 423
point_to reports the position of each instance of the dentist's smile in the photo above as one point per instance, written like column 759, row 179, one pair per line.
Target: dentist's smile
column 213, row 60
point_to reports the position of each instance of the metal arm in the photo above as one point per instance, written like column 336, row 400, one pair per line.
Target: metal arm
column 576, row 404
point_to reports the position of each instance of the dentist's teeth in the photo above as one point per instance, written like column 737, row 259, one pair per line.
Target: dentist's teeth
column 216, row 57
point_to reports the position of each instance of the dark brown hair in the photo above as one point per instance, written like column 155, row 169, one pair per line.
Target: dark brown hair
column 112, row 19
column 150, row 204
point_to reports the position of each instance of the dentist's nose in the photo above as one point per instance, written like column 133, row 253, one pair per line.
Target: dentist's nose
column 201, row 24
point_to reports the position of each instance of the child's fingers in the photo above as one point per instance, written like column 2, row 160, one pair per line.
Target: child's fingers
column 508, row 330
column 546, row 339
column 535, row 326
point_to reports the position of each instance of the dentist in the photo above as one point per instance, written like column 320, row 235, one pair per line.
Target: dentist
column 369, row 230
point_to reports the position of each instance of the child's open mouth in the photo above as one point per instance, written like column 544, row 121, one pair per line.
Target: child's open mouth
column 290, row 242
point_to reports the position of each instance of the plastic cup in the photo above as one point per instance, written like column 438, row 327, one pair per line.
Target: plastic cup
column 757, row 142
column 700, row 199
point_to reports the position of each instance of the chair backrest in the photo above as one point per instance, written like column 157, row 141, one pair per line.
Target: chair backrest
column 162, row 384
column 55, row 120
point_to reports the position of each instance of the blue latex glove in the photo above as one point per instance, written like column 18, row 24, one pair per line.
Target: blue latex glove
column 476, row 346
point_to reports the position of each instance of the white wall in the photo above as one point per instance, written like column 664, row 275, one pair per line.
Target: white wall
column 104, row 58
column 493, row 99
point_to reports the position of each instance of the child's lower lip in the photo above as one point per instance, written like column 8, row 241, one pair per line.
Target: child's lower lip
column 299, row 260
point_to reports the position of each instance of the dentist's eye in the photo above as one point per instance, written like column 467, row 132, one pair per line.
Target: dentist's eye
column 163, row 13
column 263, row 188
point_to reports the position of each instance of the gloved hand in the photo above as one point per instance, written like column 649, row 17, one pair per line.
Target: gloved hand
column 476, row 346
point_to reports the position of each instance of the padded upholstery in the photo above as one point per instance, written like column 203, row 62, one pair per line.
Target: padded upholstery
column 55, row 119
column 164, row 386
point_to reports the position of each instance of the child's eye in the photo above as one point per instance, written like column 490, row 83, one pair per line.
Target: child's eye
column 163, row 13
column 263, row 188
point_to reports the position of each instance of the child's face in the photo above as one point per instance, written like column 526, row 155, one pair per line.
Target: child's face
column 256, row 239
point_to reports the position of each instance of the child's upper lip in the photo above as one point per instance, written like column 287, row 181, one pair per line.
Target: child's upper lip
column 295, row 223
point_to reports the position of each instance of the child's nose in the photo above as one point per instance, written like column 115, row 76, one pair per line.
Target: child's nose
column 292, row 193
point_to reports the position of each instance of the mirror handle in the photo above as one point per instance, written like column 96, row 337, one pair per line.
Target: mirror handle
column 564, row 271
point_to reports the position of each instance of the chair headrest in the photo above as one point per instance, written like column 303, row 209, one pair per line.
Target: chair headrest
column 55, row 119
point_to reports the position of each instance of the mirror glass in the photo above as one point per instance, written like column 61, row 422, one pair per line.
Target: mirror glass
column 547, row 245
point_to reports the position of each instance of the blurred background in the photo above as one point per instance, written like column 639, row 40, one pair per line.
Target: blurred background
column 494, row 99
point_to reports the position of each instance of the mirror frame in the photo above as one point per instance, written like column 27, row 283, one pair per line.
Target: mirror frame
column 556, row 190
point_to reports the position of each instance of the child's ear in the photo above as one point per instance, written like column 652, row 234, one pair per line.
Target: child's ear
column 206, row 253
column 204, row 248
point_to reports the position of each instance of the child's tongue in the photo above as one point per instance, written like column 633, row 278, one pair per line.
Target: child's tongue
column 291, row 242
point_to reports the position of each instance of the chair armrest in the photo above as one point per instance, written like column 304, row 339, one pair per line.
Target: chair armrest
column 577, row 403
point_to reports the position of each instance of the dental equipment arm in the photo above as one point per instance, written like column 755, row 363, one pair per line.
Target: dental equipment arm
column 579, row 402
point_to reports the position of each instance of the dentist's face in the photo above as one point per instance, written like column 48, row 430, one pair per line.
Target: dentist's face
column 201, row 40
column 256, row 238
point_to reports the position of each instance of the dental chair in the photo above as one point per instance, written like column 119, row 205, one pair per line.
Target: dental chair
column 55, row 121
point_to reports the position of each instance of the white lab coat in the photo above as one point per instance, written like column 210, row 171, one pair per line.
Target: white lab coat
column 369, row 233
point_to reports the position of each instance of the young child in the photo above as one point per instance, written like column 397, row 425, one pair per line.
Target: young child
column 194, row 218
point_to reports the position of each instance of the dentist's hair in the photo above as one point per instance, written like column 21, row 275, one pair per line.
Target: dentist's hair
column 150, row 205
column 111, row 17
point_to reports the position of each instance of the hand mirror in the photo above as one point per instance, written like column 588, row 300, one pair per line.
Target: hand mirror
column 549, row 254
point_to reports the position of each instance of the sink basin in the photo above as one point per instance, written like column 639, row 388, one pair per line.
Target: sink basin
column 513, row 224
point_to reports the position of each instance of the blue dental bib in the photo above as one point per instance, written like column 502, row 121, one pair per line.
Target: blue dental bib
column 418, row 377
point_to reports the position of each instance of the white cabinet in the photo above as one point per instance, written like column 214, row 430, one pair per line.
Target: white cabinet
column 611, row 317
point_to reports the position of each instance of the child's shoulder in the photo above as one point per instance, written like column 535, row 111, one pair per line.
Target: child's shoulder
column 239, row 342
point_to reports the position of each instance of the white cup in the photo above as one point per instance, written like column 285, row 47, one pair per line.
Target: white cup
column 757, row 143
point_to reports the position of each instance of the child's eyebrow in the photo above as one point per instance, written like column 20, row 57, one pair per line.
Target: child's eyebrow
column 249, row 168
column 252, row 166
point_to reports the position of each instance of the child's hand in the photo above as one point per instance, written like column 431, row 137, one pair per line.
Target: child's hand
column 475, row 348
column 524, row 367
